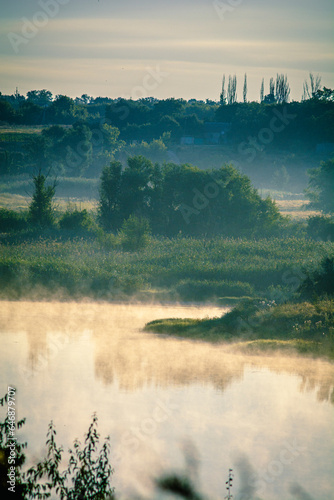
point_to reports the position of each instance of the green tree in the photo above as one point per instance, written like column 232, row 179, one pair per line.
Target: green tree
column 232, row 90
column 244, row 91
column 109, row 203
column 223, row 100
column 135, row 233
column 39, row 150
column 41, row 211
column 136, row 188
column 282, row 91
column 319, row 282
column 320, row 189
column 40, row 97
column 262, row 90
column 310, row 89
column 7, row 112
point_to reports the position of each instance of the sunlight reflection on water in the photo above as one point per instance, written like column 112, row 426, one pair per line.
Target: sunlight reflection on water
column 158, row 397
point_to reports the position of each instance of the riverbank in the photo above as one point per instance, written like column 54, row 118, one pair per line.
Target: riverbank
column 256, row 325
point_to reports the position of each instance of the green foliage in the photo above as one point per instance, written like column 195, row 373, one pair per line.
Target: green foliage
column 76, row 220
column 98, row 268
column 87, row 474
column 184, row 199
column 11, row 221
column 200, row 290
column 155, row 150
column 319, row 282
column 321, row 228
column 41, row 213
column 320, row 188
column 304, row 326
column 109, row 203
column 135, row 233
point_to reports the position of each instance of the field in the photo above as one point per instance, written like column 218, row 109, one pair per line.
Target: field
column 170, row 269
column 295, row 209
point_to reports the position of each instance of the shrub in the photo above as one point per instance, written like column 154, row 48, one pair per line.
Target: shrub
column 76, row 220
column 319, row 282
column 40, row 210
column 87, row 475
column 12, row 221
column 201, row 290
column 135, row 233
column 321, row 227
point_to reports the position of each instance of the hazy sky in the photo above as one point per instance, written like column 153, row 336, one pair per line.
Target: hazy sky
column 174, row 48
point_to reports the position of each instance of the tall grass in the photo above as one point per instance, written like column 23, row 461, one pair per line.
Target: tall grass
column 216, row 267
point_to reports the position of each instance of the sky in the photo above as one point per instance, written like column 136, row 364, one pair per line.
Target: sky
column 174, row 48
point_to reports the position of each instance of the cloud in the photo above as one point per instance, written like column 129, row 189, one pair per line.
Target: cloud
column 289, row 37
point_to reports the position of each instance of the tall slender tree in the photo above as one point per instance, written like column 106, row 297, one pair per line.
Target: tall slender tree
column 41, row 211
column 223, row 92
column 282, row 91
column 310, row 90
column 232, row 89
column 244, row 92
column 262, row 91
column 272, row 86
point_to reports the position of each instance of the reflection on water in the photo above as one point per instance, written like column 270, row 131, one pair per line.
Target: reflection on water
column 153, row 393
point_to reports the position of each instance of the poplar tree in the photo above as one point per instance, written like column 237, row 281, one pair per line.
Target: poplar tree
column 262, row 91
column 245, row 89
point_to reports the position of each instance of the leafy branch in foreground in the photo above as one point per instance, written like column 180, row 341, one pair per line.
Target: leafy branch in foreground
column 88, row 470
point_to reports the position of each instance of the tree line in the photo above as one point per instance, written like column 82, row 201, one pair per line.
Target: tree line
column 173, row 200
column 131, row 128
column 182, row 199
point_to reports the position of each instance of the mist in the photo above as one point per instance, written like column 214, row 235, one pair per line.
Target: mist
column 162, row 398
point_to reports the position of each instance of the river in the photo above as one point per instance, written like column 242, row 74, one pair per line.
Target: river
column 169, row 403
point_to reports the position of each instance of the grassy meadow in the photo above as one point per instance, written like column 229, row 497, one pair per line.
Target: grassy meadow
column 172, row 269
column 259, row 326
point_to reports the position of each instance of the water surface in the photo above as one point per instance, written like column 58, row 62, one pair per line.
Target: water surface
column 170, row 403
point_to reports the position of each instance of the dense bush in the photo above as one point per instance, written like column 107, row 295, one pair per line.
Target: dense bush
column 319, row 282
column 12, row 221
column 76, row 220
column 320, row 188
column 184, row 199
column 201, row 290
column 135, row 233
column 320, row 227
